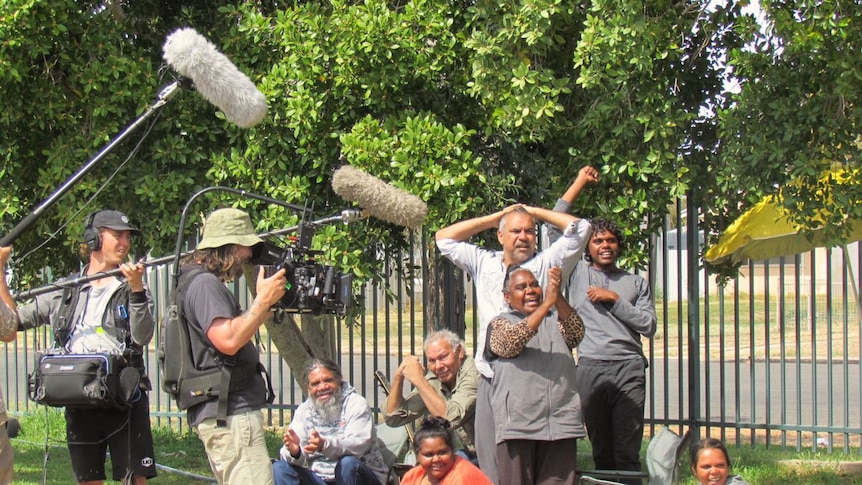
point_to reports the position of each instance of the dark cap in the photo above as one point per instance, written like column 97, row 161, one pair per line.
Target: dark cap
column 115, row 220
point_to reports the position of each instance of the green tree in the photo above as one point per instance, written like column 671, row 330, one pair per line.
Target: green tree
column 796, row 113
column 469, row 105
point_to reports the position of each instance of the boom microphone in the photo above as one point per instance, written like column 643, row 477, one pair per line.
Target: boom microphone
column 215, row 77
column 378, row 198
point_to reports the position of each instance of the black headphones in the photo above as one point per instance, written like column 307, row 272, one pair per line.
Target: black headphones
column 92, row 237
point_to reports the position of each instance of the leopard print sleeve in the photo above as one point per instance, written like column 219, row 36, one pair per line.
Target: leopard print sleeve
column 508, row 339
column 572, row 328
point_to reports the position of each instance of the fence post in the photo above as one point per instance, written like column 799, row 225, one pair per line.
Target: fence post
column 693, row 264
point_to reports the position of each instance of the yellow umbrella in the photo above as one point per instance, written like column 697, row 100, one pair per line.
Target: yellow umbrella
column 765, row 231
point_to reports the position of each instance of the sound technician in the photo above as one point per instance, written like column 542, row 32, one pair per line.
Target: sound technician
column 111, row 315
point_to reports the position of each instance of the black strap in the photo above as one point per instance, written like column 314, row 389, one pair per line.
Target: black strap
column 63, row 328
column 224, row 362
column 270, row 398
column 221, row 416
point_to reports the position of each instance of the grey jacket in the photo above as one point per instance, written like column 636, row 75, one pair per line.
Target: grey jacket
column 533, row 395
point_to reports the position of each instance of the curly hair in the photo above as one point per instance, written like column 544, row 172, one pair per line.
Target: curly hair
column 222, row 261
column 600, row 224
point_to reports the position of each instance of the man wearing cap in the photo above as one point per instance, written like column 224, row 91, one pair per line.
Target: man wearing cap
column 110, row 315
column 221, row 336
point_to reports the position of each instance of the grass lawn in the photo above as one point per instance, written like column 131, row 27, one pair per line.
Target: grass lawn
column 184, row 452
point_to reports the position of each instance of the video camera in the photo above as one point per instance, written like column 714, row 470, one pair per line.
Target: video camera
column 311, row 287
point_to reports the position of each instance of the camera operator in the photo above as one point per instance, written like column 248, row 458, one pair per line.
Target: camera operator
column 110, row 315
column 231, row 427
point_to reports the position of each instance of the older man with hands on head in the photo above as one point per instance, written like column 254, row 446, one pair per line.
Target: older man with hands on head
column 448, row 389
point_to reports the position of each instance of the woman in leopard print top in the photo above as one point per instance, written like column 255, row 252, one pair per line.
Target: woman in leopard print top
column 533, row 393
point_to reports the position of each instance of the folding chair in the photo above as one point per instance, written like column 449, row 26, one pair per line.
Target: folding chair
column 395, row 448
column 662, row 459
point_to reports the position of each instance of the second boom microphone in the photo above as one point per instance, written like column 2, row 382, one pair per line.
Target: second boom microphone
column 379, row 199
column 215, row 77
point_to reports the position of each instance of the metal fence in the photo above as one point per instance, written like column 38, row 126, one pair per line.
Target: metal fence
column 773, row 357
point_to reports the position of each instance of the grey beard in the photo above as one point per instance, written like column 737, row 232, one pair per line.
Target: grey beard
column 330, row 411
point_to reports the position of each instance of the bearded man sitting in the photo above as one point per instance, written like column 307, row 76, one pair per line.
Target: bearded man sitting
column 331, row 438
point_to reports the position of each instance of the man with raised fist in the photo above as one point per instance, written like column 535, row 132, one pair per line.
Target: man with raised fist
column 617, row 309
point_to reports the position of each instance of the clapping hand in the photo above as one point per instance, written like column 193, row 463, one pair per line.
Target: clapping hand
column 291, row 442
column 315, row 443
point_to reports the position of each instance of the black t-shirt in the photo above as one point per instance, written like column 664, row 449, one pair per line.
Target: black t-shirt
column 207, row 299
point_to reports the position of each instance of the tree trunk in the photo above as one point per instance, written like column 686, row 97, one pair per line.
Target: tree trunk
column 297, row 346
column 444, row 293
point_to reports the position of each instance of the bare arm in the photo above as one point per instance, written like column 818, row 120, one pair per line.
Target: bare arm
column 464, row 230
column 8, row 315
column 586, row 175
column 5, row 294
column 559, row 219
column 228, row 335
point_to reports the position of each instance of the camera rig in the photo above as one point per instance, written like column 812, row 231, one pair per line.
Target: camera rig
column 311, row 287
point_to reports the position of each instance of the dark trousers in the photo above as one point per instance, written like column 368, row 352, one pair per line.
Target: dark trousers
column 533, row 462
column 612, row 398
column 485, row 439
column 349, row 471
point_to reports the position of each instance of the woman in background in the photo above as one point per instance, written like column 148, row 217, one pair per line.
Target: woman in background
column 437, row 461
column 710, row 464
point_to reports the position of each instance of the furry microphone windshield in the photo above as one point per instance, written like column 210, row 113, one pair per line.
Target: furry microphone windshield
column 215, row 77
column 379, row 199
